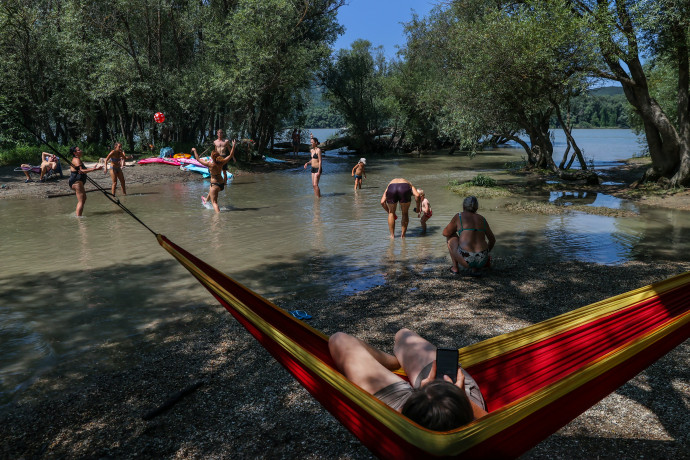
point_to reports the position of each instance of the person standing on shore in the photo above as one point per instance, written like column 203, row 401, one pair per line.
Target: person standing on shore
column 358, row 172
column 117, row 162
column 469, row 239
column 316, row 165
column 296, row 140
column 77, row 178
column 398, row 191
column 215, row 168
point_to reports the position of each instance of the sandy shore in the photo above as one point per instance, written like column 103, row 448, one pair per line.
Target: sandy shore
column 248, row 406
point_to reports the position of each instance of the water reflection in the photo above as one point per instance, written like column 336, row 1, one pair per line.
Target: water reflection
column 105, row 277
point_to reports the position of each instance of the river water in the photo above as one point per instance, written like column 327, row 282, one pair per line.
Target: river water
column 70, row 284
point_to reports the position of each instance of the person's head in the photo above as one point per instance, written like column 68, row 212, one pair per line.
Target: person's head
column 363, row 161
column 470, row 204
column 421, row 192
column 75, row 151
column 439, row 406
column 220, row 134
column 314, row 142
column 214, row 155
column 117, row 146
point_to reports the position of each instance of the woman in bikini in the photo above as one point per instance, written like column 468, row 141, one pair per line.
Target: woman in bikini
column 316, row 166
column 117, row 162
column 399, row 191
column 215, row 167
column 467, row 234
column 77, row 177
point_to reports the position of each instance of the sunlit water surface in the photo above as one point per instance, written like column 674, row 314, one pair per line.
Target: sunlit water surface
column 70, row 284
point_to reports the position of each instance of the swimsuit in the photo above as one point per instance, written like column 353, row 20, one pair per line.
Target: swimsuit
column 358, row 177
column 470, row 229
column 396, row 394
column 399, row 192
column 76, row 176
column 314, row 170
column 473, row 259
column 220, row 184
column 315, row 156
column 115, row 165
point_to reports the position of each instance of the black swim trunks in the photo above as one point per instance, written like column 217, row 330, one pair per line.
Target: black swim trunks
column 314, row 170
column 399, row 192
column 221, row 186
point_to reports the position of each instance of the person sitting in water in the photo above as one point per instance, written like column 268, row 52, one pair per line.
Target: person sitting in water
column 434, row 403
column 50, row 164
column 358, row 172
column 215, row 168
column 398, row 191
column 469, row 238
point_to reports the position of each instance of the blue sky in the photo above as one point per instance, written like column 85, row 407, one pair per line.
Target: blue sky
column 379, row 21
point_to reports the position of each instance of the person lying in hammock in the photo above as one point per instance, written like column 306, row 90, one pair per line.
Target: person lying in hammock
column 436, row 404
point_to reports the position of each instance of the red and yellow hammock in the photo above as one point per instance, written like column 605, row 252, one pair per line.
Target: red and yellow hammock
column 534, row 380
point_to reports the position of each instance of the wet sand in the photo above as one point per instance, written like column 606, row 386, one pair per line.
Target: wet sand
column 248, row 406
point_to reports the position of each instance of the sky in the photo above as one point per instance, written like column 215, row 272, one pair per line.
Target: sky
column 379, row 21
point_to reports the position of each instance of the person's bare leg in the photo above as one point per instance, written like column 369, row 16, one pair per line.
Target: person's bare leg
column 113, row 178
column 413, row 352
column 362, row 364
column 78, row 188
column 455, row 256
column 423, row 221
column 121, row 176
column 213, row 196
column 404, row 207
column 392, row 207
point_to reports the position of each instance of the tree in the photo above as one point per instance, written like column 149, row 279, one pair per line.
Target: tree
column 627, row 30
column 353, row 82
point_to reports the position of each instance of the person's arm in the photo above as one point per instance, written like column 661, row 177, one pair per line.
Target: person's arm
column 490, row 236
column 107, row 158
column 231, row 150
column 44, row 155
column 318, row 152
column 353, row 170
column 383, row 201
column 200, row 160
column 451, row 228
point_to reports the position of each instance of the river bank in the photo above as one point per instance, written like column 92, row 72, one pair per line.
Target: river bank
column 249, row 407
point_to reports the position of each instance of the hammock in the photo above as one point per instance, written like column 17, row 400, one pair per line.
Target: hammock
column 534, row 380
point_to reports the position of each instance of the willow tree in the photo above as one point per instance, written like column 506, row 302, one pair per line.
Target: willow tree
column 627, row 31
column 501, row 69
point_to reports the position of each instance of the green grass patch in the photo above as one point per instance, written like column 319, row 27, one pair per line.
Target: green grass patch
column 467, row 189
column 549, row 209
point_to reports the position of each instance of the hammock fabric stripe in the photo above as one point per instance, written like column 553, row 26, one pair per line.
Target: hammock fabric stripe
column 535, row 380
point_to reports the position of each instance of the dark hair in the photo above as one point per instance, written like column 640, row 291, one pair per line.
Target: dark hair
column 315, row 140
column 439, row 406
column 72, row 150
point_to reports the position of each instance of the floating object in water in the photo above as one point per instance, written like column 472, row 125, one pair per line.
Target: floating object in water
column 166, row 161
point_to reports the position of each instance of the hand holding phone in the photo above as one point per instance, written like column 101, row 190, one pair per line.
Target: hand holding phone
column 447, row 363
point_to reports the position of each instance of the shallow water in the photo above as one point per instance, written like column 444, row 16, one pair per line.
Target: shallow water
column 70, row 285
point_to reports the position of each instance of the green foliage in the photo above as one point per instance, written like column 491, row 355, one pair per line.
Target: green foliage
column 481, row 180
column 601, row 108
column 99, row 70
column 353, row 82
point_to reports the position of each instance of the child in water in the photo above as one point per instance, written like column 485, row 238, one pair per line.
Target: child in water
column 424, row 210
column 358, row 172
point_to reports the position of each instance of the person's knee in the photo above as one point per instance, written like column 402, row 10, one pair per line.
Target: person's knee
column 336, row 345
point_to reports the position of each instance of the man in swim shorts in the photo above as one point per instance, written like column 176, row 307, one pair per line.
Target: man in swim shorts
column 434, row 402
column 221, row 144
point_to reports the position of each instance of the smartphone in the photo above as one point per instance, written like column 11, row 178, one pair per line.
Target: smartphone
column 447, row 363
